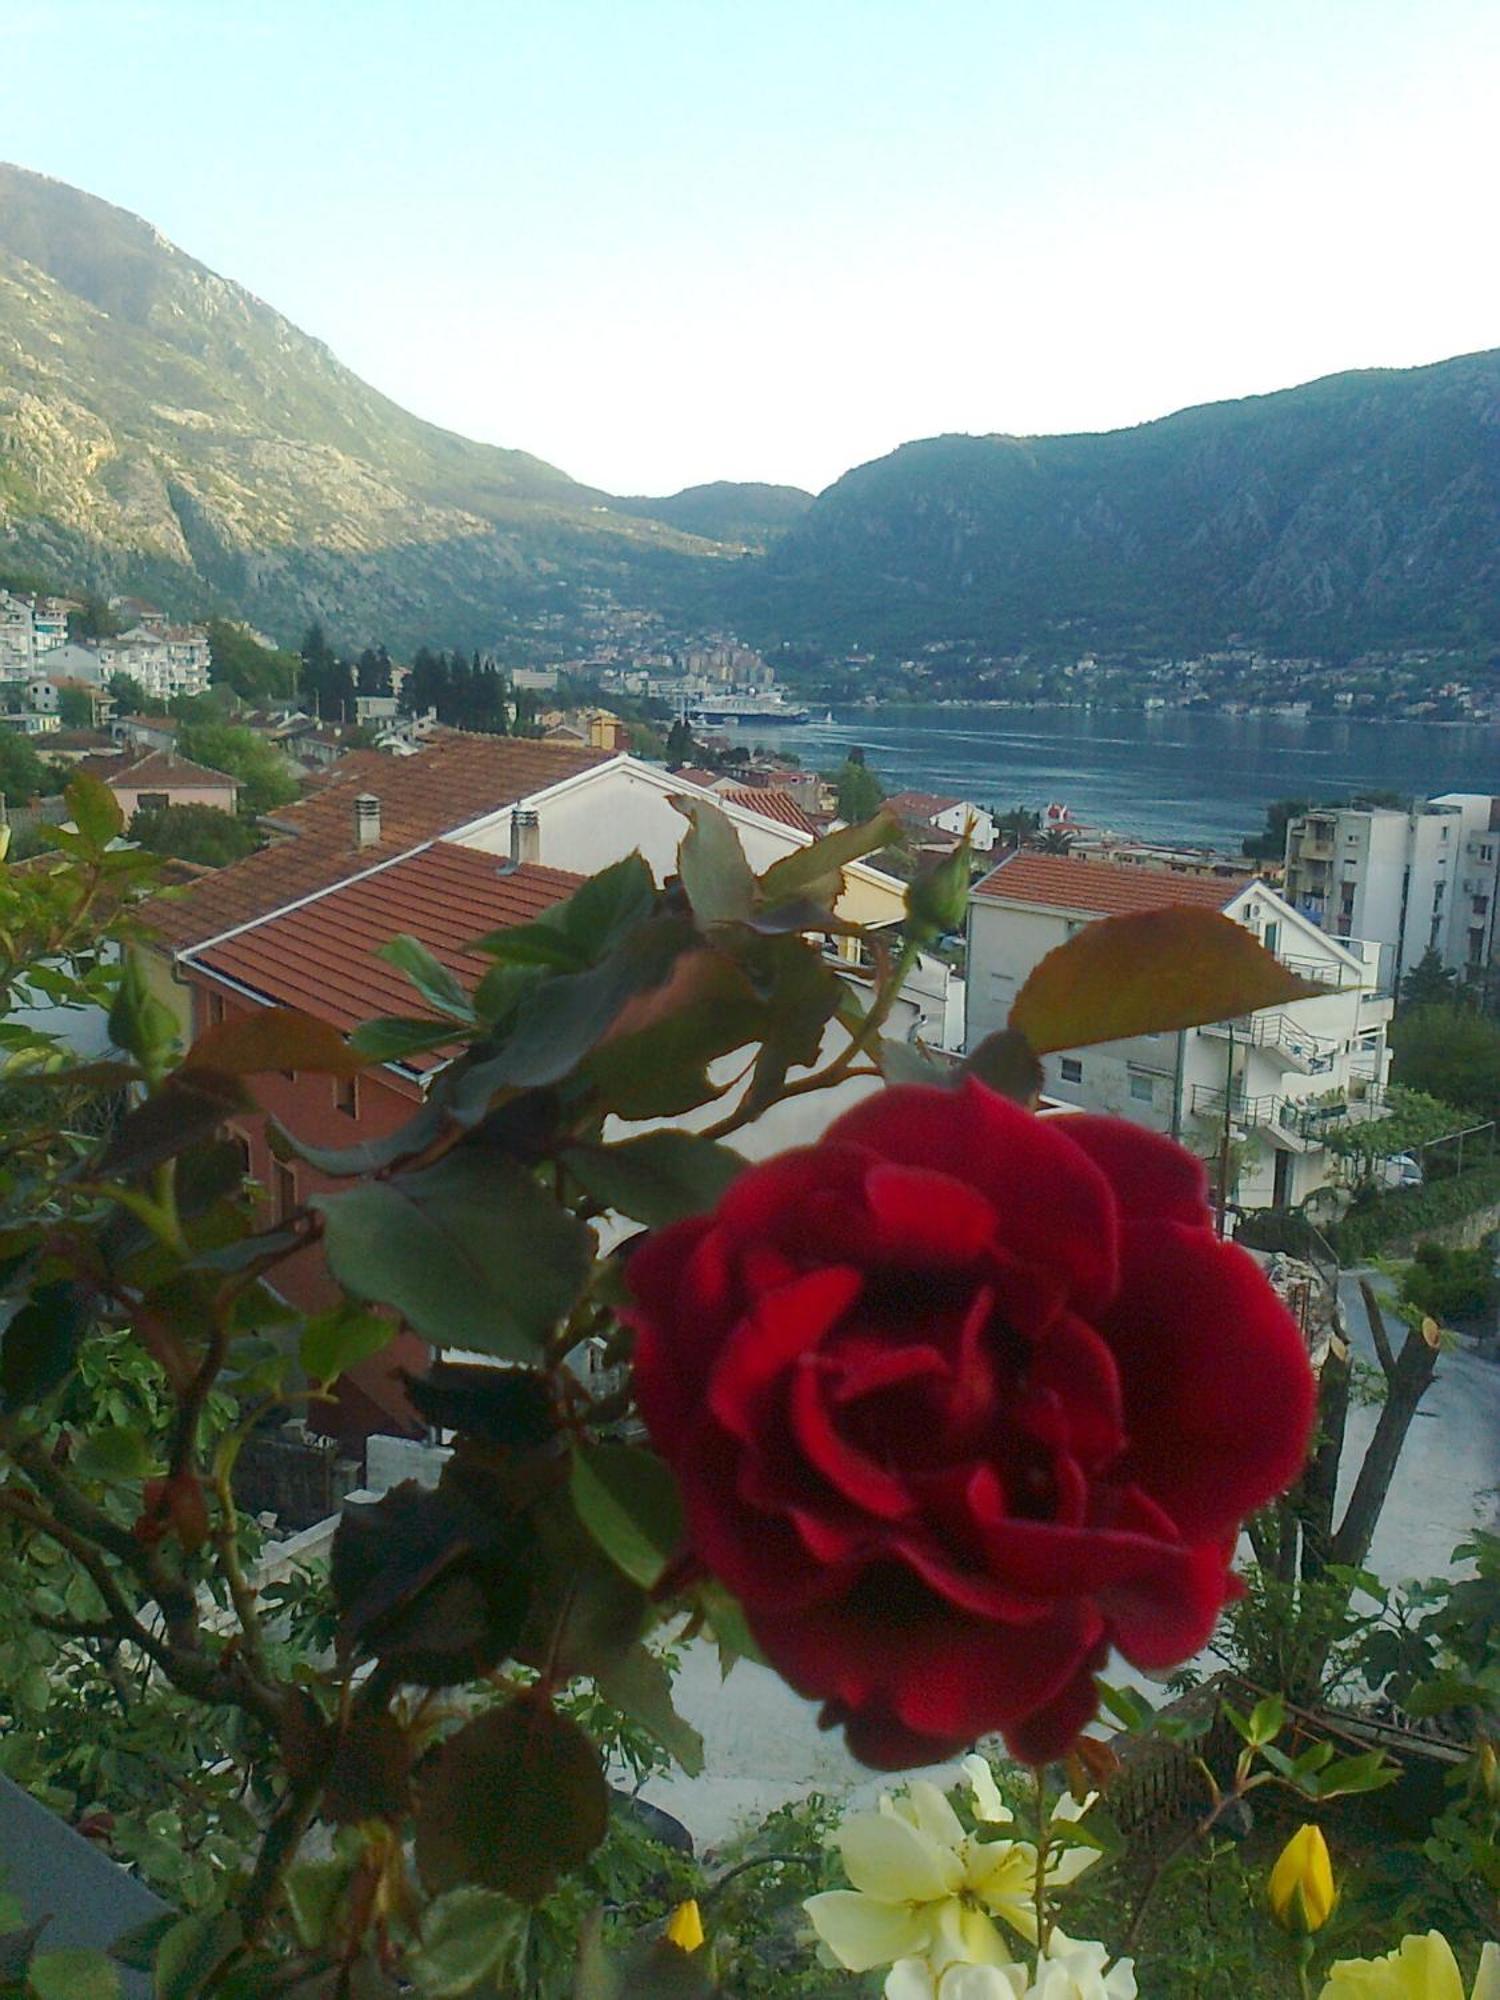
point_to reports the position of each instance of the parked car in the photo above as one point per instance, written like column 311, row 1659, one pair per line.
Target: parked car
column 1403, row 1170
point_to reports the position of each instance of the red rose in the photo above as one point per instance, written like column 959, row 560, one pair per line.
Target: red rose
column 959, row 1399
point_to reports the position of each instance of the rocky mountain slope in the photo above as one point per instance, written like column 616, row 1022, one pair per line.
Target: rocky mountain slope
column 1361, row 510
column 743, row 513
column 162, row 429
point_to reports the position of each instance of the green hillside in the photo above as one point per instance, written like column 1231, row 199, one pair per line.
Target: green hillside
column 743, row 513
column 1361, row 510
column 163, row 430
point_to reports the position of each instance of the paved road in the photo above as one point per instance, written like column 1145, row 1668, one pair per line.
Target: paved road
column 1448, row 1480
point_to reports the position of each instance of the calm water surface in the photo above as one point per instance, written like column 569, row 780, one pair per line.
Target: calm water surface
column 1170, row 775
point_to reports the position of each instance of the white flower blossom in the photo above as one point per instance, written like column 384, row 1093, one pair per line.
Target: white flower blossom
column 925, row 1894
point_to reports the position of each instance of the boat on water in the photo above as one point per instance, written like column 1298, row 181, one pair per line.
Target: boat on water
column 773, row 708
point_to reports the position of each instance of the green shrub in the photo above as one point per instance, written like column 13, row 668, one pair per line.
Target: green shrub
column 1383, row 1219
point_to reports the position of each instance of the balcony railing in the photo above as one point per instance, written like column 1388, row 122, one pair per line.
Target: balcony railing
column 1296, row 1122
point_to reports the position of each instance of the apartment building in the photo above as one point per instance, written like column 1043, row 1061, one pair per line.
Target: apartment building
column 163, row 660
column 1411, row 882
column 1275, row 1084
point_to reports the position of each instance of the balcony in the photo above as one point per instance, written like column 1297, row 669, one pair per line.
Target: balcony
column 1297, row 1125
column 1286, row 1039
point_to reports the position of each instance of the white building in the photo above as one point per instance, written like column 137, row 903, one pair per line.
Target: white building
column 948, row 815
column 165, row 660
column 30, row 628
column 1275, row 1082
column 1411, row 882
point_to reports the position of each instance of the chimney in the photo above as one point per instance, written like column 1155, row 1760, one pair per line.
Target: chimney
column 525, row 836
column 366, row 820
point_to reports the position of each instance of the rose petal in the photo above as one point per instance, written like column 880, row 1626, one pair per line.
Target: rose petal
column 896, row 1862
column 862, row 1932
column 1153, row 1178
column 1050, row 1731
column 927, row 1216
column 781, row 1325
column 857, row 1477
column 1053, row 1206
column 1219, row 1396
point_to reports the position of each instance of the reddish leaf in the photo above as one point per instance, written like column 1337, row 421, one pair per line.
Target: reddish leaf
column 1007, row 1063
column 511, row 1801
column 273, row 1038
column 1148, row 975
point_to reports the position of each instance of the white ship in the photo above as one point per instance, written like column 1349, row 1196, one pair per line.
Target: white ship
column 772, row 708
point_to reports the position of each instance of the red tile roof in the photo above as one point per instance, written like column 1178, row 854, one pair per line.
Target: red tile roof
column 157, row 768
column 1102, row 888
column 921, row 805
column 320, row 956
column 770, row 805
column 454, row 779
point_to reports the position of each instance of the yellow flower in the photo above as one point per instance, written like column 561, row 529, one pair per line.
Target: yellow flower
column 1301, row 1891
column 1420, row 1968
column 925, row 1890
column 685, row 1926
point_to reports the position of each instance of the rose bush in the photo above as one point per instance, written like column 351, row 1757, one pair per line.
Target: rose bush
column 959, row 1399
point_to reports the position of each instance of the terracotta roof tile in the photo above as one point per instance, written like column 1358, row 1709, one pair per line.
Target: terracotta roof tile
column 769, row 804
column 454, row 779
column 157, row 767
column 320, row 956
column 921, row 805
column 1102, row 888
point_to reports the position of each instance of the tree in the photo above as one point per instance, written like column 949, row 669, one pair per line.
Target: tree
column 860, row 792
column 1017, row 827
column 93, row 619
column 1449, row 1051
column 75, row 707
column 1429, row 983
column 374, row 671
column 266, row 778
column 256, row 672
column 22, row 773
column 204, row 834
column 681, row 748
column 1056, row 840
column 1270, row 843
column 129, row 697
column 327, row 680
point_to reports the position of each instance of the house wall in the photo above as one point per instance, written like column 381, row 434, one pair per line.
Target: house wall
column 308, row 1106
column 1173, row 1083
column 221, row 797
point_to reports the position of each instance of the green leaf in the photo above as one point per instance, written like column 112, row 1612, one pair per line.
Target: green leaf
column 332, row 1342
column 608, row 905
column 94, row 810
column 465, row 1937
column 715, row 874
column 1147, row 975
column 73, row 1975
column 1267, row 1719
column 115, row 1452
column 471, row 1251
column 511, row 1801
column 390, row 1040
column 628, row 1500
column 139, row 1023
column 191, row 1950
column 429, row 975
column 39, row 1346
column 639, row 1685
column 812, row 867
column 515, row 1407
column 659, row 1068
column 313, row 1889
column 657, row 1178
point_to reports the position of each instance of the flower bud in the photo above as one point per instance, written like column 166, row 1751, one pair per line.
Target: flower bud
column 938, row 900
column 685, row 1926
column 1301, row 1892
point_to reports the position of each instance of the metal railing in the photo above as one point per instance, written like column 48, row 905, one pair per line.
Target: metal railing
column 1300, row 1120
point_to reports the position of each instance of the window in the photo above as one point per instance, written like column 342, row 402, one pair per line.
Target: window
column 148, row 802
column 346, row 1095
column 215, row 1009
column 1486, row 853
column 285, row 1182
column 1481, row 906
column 1072, row 1070
column 1270, row 936
column 238, row 1138
column 1142, row 1089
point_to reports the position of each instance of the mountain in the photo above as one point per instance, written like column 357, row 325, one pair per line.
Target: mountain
column 162, row 430
column 1358, row 511
column 743, row 513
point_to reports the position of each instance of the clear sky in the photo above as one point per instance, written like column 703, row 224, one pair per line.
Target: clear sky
column 664, row 241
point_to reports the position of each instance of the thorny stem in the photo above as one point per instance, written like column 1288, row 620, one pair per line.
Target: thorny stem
column 1039, row 1886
